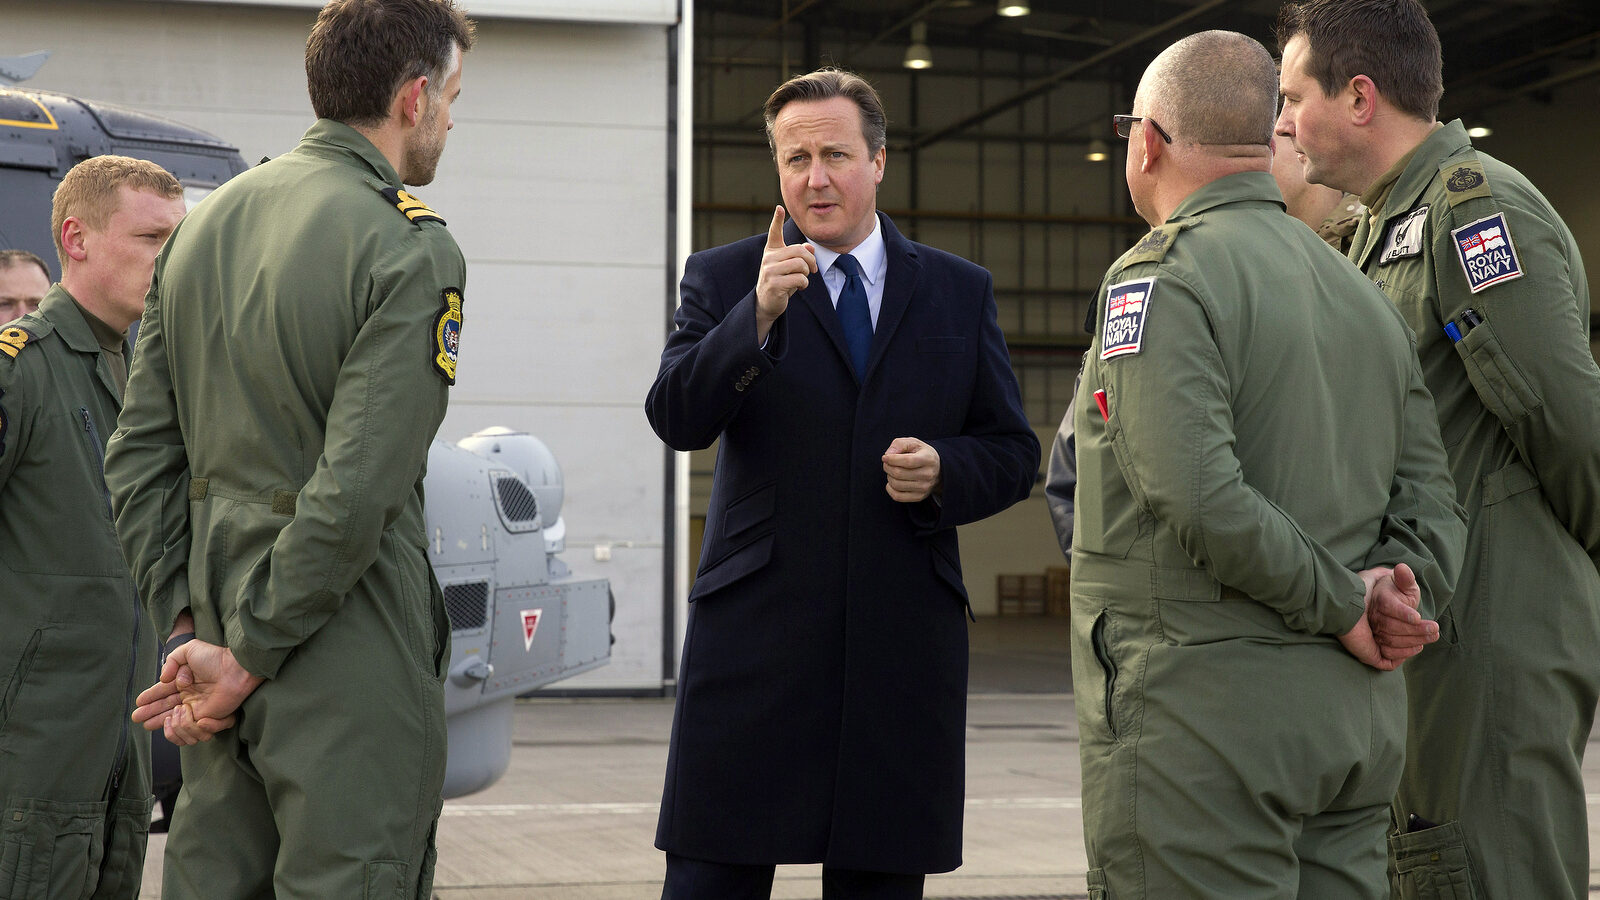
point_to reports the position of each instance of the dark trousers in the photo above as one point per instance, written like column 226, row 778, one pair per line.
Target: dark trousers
column 695, row 879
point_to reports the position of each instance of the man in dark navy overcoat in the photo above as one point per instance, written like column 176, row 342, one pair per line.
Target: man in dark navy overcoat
column 866, row 407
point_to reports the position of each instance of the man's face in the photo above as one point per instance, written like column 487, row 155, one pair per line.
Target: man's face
column 22, row 286
column 1314, row 125
column 828, row 178
column 425, row 144
column 120, row 258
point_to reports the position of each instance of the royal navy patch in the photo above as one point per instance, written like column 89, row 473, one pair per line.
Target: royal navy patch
column 447, row 335
column 414, row 209
column 13, row 339
column 1487, row 254
column 1127, row 309
column 1405, row 237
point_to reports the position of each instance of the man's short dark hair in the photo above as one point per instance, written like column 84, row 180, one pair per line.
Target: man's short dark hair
column 1390, row 41
column 825, row 84
column 10, row 259
column 361, row 51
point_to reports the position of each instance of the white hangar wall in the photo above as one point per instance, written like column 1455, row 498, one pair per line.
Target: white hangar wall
column 556, row 182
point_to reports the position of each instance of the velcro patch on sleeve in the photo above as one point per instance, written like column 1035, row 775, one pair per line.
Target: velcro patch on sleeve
column 12, row 340
column 1487, row 254
column 414, row 209
column 1127, row 310
column 447, row 335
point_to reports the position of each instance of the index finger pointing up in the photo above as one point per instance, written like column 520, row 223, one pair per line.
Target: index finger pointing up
column 775, row 233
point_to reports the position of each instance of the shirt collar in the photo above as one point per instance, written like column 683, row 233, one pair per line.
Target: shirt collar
column 870, row 254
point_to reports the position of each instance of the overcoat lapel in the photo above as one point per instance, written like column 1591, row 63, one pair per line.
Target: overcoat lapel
column 898, row 286
column 816, row 299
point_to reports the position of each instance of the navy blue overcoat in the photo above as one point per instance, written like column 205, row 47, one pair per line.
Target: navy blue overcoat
column 821, row 708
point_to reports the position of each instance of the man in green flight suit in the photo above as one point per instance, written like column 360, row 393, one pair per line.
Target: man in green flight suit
column 1483, row 269
column 74, row 643
column 294, row 363
column 1262, row 503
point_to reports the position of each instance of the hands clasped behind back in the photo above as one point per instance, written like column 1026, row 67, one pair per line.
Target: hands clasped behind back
column 201, row 688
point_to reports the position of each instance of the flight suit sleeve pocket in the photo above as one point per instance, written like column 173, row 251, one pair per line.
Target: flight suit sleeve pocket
column 1495, row 376
column 1433, row 864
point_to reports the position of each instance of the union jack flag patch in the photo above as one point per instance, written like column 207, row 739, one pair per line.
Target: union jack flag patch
column 1126, row 307
column 1486, row 252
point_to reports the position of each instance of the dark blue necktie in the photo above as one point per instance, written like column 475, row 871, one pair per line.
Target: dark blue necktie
column 854, row 316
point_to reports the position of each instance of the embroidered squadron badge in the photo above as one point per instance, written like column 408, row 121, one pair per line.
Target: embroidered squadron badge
column 414, row 209
column 447, row 335
column 1127, row 305
column 12, row 340
column 1464, row 178
column 1487, row 253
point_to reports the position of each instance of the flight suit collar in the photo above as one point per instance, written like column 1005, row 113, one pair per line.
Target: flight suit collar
column 1398, row 189
column 1235, row 188
column 70, row 320
column 353, row 144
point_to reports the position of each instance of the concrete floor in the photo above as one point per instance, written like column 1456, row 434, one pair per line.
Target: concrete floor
column 575, row 816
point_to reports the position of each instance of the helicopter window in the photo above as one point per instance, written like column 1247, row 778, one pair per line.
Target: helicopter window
column 467, row 605
column 519, row 508
column 193, row 193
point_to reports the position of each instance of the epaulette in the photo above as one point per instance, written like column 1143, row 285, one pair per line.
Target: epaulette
column 414, row 209
column 13, row 338
column 1463, row 180
column 1154, row 246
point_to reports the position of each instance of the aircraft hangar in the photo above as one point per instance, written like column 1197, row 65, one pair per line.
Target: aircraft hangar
column 599, row 142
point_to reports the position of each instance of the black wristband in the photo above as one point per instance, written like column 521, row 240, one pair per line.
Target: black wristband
column 174, row 643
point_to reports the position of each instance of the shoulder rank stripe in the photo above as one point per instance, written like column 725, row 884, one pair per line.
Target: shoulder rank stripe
column 414, row 209
column 12, row 340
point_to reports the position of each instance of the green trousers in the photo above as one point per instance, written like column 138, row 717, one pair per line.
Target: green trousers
column 330, row 784
column 1501, row 709
column 1232, row 769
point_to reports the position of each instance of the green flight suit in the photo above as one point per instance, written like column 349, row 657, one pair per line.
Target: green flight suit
column 1266, row 435
column 74, row 645
column 293, row 365
column 1502, row 706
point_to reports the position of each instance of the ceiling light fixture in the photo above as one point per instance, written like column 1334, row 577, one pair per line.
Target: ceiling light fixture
column 1013, row 8
column 919, row 55
column 1479, row 131
column 1098, row 151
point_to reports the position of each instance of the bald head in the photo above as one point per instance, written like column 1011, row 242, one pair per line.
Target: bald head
column 1212, row 88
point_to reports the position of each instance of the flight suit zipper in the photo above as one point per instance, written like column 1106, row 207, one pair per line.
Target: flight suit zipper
column 120, row 762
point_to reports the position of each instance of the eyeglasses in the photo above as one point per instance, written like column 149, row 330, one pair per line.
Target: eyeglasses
column 1124, row 126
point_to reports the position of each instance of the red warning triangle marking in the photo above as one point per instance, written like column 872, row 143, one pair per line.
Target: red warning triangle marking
column 530, row 624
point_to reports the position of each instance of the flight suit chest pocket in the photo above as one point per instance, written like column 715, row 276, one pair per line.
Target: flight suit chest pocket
column 50, row 849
